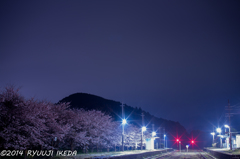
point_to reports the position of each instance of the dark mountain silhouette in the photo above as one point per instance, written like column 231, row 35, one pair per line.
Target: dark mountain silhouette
column 173, row 130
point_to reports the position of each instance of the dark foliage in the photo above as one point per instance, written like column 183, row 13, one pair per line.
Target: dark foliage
column 133, row 115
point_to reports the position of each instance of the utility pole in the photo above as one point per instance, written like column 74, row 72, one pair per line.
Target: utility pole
column 230, row 134
column 160, row 132
column 142, row 131
column 152, row 134
column 166, row 143
column 229, row 114
column 180, row 146
column 164, row 137
column 213, row 136
column 123, row 128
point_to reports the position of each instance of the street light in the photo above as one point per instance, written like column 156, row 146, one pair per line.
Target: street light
column 143, row 129
column 187, row 147
column 219, row 131
column 213, row 133
column 230, row 136
column 124, row 121
column 226, row 126
column 153, row 134
column 164, row 140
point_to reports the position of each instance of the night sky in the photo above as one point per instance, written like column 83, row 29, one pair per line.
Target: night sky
column 178, row 60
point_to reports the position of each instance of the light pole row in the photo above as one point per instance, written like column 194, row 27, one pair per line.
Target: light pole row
column 124, row 122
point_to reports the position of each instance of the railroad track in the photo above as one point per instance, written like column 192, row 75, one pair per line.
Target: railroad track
column 197, row 154
column 166, row 155
column 204, row 155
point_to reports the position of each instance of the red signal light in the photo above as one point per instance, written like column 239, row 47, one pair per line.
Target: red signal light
column 192, row 141
column 177, row 140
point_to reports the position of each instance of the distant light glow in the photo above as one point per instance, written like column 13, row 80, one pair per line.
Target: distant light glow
column 219, row 130
column 153, row 133
column 144, row 128
column 226, row 126
column 164, row 135
column 221, row 136
column 192, row 141
column 177, row 140
column 213, row 133
column 124, row 121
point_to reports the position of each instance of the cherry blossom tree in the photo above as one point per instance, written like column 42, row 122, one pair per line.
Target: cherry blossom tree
column 116, row 136
column 99, row 128
column 89, row 129
column 76, row 136
column 30, row 123
column 133, row 135
column 12, row 106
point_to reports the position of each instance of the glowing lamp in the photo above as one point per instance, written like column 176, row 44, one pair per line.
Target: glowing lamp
column 124, row 121
column 226, row 126
column 219, row 130
column 153, row 133
column 144, row 128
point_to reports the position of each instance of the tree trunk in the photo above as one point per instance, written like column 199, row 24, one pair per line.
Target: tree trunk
column 25, row 154
column 71, row 145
